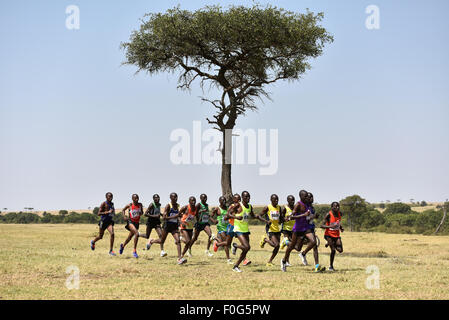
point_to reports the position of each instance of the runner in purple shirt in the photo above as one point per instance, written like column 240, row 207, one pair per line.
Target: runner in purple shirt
column 300, row 229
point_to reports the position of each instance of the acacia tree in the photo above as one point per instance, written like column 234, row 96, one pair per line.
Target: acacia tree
column 238, row 51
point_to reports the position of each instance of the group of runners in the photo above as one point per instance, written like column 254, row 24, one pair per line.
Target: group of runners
column 293, row 221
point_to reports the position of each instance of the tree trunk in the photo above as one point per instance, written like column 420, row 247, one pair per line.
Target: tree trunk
column 442, row 220
column 350, row 221
column 226, row 156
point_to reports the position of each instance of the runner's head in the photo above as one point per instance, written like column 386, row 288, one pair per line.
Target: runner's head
column 109, row 196
column 156, row 198
column 291, row 200
column 192, row 201
column 203, row 198
column 135, row 198
column 173, row 197
column 274, row 200
column 245, row 196
column 303, row 196
column 236, row 198
column 222, row 201
column 335, row 207
column 309, row 197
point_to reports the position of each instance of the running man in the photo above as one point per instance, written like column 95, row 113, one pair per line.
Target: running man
column 222, row 225
column 135, row 210
column 287, row 226
column 170, row 217
column 310, row 218
column 300, row 229
column 188, row 214
column 153, row 213
column 273, row 212
column 106, row 222
column 332, row 226
column 230, row 234
column 241, row 213
column 202, row 223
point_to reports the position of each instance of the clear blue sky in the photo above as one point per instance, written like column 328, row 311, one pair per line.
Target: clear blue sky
column 370, row 117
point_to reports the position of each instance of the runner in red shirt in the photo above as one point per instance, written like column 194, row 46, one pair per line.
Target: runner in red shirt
column 332, row 227
column 135, row 210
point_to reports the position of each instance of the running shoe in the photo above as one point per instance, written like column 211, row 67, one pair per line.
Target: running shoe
column 208, row 253
column 229, row 261
column 288, row 264
column 331, row 269
column 215, row 246
column 92, row 245
column 148, row 246
column 234, row 248
column 319, row 268
column 135, row 254
column 283, row 244
column 303, row 258
column 236, row 269
column 163, row 253
column 262, row 241
column 112, row 253
column 246, row 262
column 121, row 248
column 182, row 261
column 269, row 264
column 283, row 266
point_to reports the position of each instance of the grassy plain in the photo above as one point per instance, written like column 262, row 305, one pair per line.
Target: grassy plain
column 34, row 260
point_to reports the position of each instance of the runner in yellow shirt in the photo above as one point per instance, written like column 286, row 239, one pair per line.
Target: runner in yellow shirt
column 273, row 212
column 241, row 213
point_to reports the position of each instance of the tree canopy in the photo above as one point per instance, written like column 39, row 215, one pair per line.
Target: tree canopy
column 238, row 50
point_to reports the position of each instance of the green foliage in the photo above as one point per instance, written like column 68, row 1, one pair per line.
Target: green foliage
column 371, row 219
column 397, row 207
column 429, row 220
column 96, row 210
column 249, row 43
column 63, row 212
column 354, row 207
column 423, row 204
column 399, row 219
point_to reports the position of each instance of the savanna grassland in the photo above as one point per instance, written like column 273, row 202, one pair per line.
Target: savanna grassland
column 34, row 259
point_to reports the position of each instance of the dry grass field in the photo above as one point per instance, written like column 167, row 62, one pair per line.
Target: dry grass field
column 34, row 259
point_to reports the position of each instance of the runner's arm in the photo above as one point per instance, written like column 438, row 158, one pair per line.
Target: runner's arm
column 264, row 213
column 213, row 215
column 299, row 207
column 102, row 211
column 123, row 212
column 282, row 217
column 323, row 224
column 166, row 210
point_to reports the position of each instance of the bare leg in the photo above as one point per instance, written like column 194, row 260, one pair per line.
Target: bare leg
column 130, row 235
column 100, row 235
column 112, row 237
column 187, row 235
column 159, row 234
column 312, row 243
column 175, row 235
column 290, row 247
column 244, row 245
column 275, row 239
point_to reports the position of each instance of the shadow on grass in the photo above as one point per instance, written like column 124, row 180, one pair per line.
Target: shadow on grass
column 372, row 254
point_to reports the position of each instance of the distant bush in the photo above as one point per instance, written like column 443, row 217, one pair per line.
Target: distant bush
column 63, row 212
column 398, row 207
